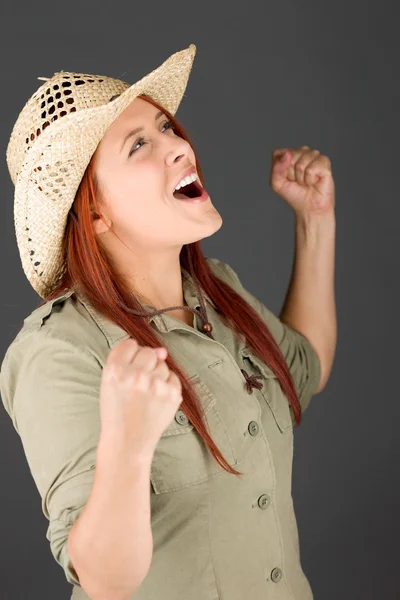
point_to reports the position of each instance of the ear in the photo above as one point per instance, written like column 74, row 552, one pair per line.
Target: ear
column 101, row 223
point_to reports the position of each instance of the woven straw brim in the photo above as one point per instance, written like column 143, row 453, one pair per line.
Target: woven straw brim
column 53, row 168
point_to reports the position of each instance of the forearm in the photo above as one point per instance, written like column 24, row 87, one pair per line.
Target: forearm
column 309, row 306
column 111, row 544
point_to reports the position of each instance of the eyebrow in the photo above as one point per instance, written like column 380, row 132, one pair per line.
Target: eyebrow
column 139, row 129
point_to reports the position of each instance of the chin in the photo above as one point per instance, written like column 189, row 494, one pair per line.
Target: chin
column 215, row 221
column 218, row 222
column 207, row 228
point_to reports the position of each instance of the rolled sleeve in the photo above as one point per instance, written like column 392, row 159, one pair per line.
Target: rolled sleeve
column 301, row 358
column 50, row 388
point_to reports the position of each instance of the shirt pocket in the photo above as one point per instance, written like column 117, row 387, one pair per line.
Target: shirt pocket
column 181, row 458
column 271, row 389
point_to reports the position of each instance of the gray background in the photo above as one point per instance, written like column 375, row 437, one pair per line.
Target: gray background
column 267, row 74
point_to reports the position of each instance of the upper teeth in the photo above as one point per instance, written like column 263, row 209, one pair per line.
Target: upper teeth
column 186, row 180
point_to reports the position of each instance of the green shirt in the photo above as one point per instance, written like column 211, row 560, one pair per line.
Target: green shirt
column 216, row 535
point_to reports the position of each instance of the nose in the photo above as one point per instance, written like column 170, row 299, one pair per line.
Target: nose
column 178, row 149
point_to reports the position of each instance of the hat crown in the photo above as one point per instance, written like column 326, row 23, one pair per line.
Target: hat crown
column 63, row 94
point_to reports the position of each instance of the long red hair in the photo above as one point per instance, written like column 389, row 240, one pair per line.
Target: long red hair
column 88, row 268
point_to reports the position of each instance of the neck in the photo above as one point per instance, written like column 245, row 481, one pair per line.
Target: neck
column 156, row 280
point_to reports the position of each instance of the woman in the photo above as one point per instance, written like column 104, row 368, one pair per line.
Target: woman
column 154, row 396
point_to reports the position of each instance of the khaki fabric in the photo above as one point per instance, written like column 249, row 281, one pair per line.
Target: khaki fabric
column 216, row 536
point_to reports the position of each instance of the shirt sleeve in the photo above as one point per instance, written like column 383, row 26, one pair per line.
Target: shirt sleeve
column 50, row 389
column 301, row 358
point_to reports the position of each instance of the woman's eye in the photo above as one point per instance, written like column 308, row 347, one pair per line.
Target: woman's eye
column 137, row 145
column 167, row 125
column 142, row 142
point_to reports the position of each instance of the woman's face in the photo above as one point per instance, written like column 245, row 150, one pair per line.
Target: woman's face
column 139, row 163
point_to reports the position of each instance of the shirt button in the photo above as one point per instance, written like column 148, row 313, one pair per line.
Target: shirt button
column 253, row 428
column 264, row 501
column 276, row 575
column 181, row 418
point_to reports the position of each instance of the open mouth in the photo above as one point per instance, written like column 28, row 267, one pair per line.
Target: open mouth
column 192, row 190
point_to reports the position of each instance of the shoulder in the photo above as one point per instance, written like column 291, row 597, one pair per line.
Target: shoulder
column 64, row 318
column 225, row 272
column 60, row 333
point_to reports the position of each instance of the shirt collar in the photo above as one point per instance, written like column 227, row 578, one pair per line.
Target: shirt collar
column 164, row 322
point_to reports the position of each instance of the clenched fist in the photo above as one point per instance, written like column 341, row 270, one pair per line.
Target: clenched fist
column 139, row 396
column 303, row 178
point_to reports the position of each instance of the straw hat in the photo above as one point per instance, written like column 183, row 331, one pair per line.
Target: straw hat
column 53, row 140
